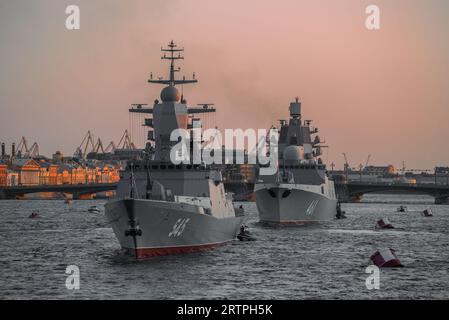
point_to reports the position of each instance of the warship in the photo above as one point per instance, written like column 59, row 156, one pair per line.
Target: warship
column 164, row 208
column 301, row 190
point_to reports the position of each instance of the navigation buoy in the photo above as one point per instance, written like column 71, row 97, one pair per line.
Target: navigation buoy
column 384, row 224
column 386, row 258
column 427, row 213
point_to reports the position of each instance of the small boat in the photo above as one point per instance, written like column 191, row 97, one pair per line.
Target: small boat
column 34, row 215
column 94, row 209
column 427, row 213
column 384, row 224
column 402, row 209
column 245, row 235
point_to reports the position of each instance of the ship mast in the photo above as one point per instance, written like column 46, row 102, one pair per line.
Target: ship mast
column 171, row 50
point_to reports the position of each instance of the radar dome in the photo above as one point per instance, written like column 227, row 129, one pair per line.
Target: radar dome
column 170, row 94
column 293, row 153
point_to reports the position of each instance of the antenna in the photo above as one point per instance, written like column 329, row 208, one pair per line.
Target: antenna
column 169, row 54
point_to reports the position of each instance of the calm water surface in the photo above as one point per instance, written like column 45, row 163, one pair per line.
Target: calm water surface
column 325, row 262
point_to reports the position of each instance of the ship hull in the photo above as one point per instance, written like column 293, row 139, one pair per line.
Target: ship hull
column 287, row 205
column 168, row 227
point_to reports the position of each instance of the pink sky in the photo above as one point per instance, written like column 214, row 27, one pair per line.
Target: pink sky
column 382, row 92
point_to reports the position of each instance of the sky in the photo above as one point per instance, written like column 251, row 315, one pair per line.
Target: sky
column 382, row 92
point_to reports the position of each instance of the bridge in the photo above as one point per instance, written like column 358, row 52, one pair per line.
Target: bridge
column 79, row 191
column 354, row 190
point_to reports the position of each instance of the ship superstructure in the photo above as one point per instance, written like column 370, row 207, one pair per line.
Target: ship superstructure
column 301, row 191
column 165, row 208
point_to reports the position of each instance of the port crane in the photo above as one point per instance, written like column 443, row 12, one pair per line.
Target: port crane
column 23, row 150
column 99, row 146
column 125, row 142
column 110, row 148
column 367, row 160
column 87, row 141
column 346, row 165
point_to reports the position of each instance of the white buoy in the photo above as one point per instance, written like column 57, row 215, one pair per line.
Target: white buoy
column 384, row 224
column 386, row 258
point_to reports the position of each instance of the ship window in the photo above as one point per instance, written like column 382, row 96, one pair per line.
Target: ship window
column 322, row 189
column 296, row 167
column 196, row 167
column 154, row 167
column 179, row 167
column 171, row 167
column 189, row 167
column 163, row 167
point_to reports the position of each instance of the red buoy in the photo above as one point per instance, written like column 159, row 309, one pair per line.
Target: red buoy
column 384, row 224
column 386, row 258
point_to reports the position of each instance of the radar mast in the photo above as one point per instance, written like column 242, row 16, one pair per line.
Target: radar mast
column 171, row 50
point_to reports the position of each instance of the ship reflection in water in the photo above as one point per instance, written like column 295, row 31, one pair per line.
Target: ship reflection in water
column 326, row 261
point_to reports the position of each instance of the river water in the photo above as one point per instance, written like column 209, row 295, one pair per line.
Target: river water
column 314, row 262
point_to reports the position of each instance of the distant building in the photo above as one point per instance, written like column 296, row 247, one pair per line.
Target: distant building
column 57, row 157
column 48, row 173
column 12, row 178
column 28, row 171
column 442, row 170
column 379, row 170
column 3, row 174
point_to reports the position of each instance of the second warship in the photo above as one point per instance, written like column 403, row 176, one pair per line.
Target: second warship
column 165, row 208
column 301, row 190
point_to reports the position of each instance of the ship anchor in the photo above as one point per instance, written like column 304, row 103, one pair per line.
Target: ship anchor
column 133, row 231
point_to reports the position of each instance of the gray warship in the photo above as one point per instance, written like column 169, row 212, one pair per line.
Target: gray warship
column 301, row 190
column 162, row 208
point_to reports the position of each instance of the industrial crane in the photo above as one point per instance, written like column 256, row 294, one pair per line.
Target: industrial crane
column 88, row 140
column 23, row 150
column 367, row 160
column 125, row 142
column 346, row 166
